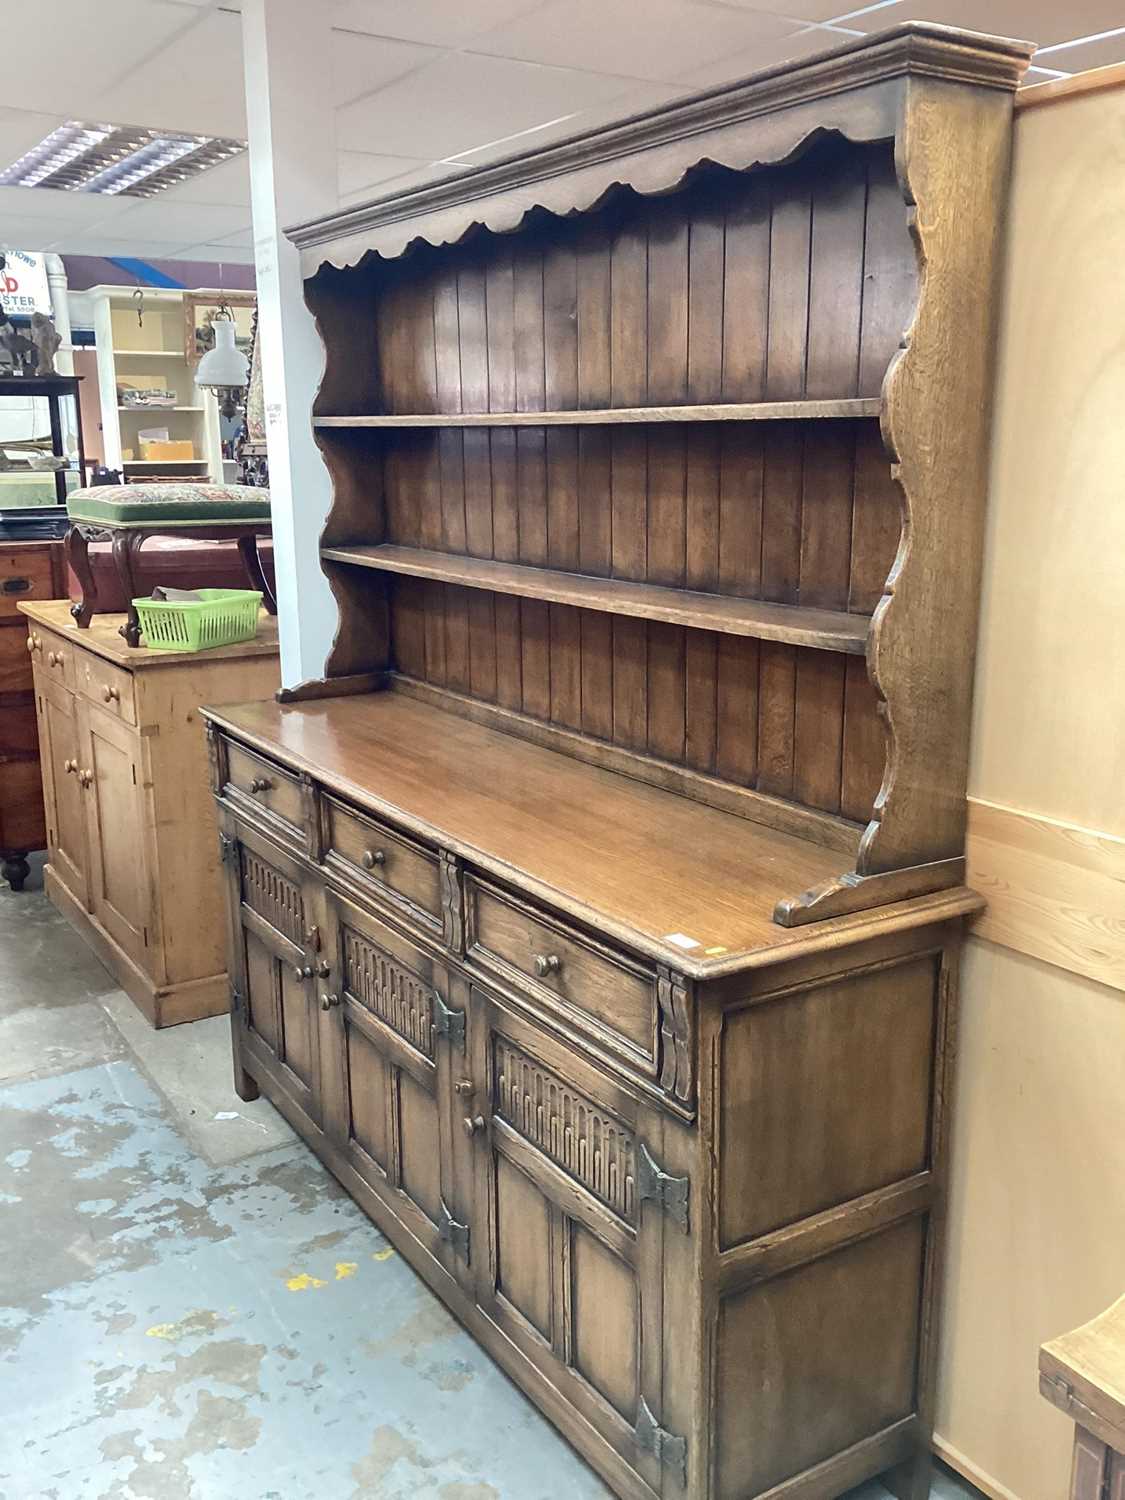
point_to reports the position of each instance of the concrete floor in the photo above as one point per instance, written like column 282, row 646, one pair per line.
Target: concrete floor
column 190, row 1309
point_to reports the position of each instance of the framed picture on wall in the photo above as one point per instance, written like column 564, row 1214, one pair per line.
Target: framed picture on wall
column 200, row 311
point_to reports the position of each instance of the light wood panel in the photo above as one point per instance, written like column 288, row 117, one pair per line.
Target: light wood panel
column 1054, row 891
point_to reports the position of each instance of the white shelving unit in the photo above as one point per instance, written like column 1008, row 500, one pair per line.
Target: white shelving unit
column 128, row 352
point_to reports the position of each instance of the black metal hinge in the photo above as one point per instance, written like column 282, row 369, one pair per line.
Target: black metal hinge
column 236, row 1002
column 673, row 1194
column 454, row 1234
column 226, row 849
column 449, row 1023
column 669, row 1450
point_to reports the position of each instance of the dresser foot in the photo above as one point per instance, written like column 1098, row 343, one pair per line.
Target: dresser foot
column 16, row 870
column 244, row 1086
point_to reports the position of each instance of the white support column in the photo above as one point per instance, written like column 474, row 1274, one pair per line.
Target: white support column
column 291, row 128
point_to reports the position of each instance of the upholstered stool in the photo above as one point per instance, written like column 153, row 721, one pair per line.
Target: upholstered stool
column 127, row 515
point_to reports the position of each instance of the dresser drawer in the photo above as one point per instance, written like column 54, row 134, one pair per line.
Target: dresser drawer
column 24, row 574
column 256, row 783
column 54, row 657
column 383, row 861
column 101, row 682
column 601, row 992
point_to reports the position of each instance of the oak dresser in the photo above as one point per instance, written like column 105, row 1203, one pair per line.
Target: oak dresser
column 596, row 918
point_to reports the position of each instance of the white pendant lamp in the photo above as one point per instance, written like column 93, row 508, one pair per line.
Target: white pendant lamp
column 224, row 369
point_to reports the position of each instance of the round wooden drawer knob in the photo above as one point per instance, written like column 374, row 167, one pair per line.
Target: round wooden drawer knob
column 464, row 1087
column 54, row 658
column 302, row 971
column 111, row 694
column 372, row 857
column 328, row 1001
column 261, row 784
column 35, row 643
column 70, row 767
column 547, row 963
column 472, row 1124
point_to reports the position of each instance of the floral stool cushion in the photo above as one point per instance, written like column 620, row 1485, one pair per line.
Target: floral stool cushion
column 169, row 505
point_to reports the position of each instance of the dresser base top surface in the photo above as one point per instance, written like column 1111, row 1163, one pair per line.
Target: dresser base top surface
column 687, row 884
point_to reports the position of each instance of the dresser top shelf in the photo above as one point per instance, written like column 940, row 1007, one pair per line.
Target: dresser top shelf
column 683, row 883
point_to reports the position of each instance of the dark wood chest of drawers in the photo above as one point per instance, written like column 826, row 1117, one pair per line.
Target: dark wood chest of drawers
column 28, row 570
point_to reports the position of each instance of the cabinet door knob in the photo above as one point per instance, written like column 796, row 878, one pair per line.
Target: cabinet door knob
column 547, row 963
column 302, row 971
column 261, row 784
column 372, row 857
column 472, row 1124
column 70, row 767
column 328, row 1001
column 54, row 658
column 86, row 778
column 111, row 694
column 465, row 1088
column 323, row 968
column 34, row 642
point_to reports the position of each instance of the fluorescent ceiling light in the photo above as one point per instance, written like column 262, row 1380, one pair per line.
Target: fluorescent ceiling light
column 135, row 162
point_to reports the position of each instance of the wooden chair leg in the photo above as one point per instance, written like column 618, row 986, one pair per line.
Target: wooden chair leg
column 76, row 551
column 252, row 562
column 125, row 546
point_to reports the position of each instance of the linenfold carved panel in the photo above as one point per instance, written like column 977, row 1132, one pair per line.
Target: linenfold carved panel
column 274, row 898
column 579, row 1136
column 394, row 994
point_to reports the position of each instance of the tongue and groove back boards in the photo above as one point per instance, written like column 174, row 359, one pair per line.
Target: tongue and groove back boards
column 795, row 282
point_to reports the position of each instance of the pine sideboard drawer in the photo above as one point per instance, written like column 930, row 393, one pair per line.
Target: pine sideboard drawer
column 261, row 786
column 102, row 683
column 603, row 993
column 383, row 861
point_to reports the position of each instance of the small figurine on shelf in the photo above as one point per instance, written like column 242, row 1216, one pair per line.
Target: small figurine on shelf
column 15, row 349
column 46, row 339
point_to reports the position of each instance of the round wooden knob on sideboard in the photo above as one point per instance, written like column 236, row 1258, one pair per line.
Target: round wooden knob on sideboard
column 110, row 694
column 372, row 857
column 547, row 963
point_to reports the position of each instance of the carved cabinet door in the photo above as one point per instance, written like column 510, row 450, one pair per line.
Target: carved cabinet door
column 113, row 783
column 571, row 1263
column 393, row 1041
column 276, row 956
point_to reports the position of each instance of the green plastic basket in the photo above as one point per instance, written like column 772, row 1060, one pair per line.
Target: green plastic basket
column 221, row 617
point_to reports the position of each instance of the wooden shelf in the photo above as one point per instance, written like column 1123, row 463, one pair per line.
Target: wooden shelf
column 752, row 411
column 148, row 354
column 152, row 411
column 162, row 463
column 822, row 629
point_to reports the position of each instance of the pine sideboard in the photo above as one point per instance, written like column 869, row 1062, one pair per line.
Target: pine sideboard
column 130, row 835
column 596, row 916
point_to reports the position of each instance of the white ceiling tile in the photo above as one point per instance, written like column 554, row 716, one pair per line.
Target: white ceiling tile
column 361, row 64
column 1099, row 54
column 195, row 85
column 466, row 101
column 219, row 255
column 1041, row 21
column 802, row 10
column 634, row 99
column 739, row 65
column 28, row 233
column 163, row 218
column 71, row 50
column 675, row 35
column 93, row 243
column 229, row 182
column 442, row 23
column 357, row 171
column 79, row 209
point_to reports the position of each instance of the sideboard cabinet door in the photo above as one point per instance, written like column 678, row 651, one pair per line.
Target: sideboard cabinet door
column 393, row 1041
column 110, row 756
column 277, row 947
column 573, row 1268
column 63, row 784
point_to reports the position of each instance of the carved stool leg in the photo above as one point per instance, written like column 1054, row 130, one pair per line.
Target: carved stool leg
column 76, row 552
column 15, row 868
column 252, row 562
column 125, row 546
